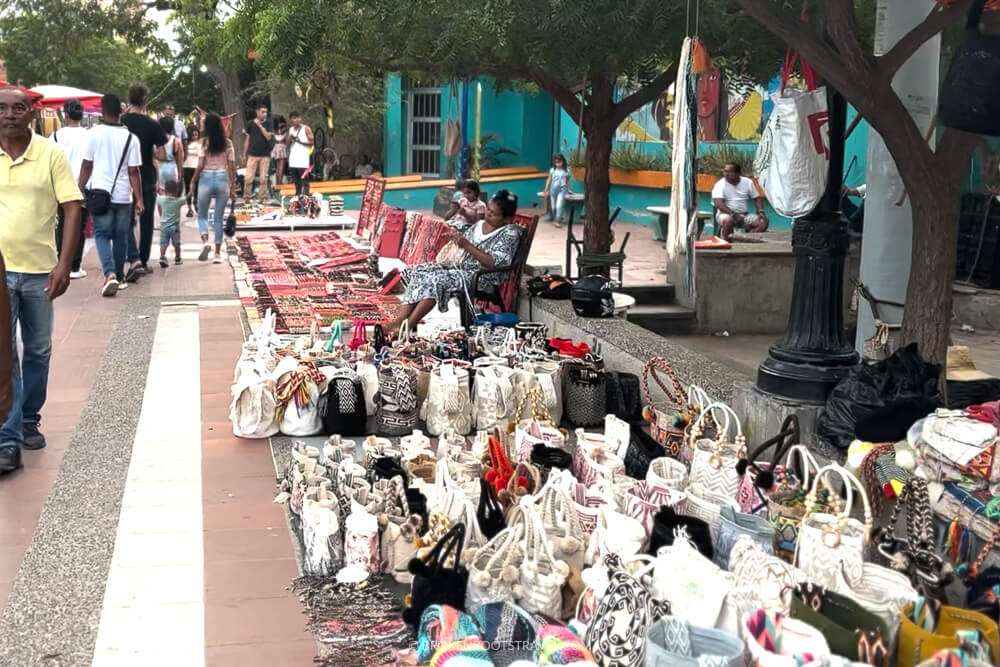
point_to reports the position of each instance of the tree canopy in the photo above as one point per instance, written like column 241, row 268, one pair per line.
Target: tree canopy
column 566, row 48
column 95, row 44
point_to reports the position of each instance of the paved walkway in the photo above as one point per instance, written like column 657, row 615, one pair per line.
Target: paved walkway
column 144, row 533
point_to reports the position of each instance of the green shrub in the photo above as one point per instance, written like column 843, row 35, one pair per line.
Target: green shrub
column 631, row 157
column 715, row 158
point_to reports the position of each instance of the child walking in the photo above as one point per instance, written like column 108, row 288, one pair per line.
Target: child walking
column 556, row 189
column 170, row 205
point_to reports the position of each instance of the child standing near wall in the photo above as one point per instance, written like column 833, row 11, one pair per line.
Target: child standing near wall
column 556, row 189
column 170, row 205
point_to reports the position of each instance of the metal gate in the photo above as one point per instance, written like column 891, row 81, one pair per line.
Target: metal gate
column 424, row 154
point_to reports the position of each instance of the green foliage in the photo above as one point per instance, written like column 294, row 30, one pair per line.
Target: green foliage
column 632, row 157
column 84, row 43
column 576, row 157
column 490, row 151
column 715, row 158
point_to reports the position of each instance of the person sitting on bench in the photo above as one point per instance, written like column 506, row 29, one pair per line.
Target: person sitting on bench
column 470, row 208
column 730, row 196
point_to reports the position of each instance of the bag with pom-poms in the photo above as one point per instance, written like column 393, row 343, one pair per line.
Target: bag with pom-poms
column 433, row 582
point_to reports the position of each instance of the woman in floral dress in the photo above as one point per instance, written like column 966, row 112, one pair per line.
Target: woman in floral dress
column 486, row 244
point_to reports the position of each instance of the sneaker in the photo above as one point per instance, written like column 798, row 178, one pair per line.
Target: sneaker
column 110, row 287
column 164, row 263
column 75, row 275
column 217, row 259
column 133, row 273
column 178, row 260
column 122, row 286
column 10, row 458
column 146, row 269
column 205, row 251
column 32, row 437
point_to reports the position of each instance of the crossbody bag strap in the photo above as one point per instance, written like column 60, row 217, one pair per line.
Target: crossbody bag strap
column 114, row 181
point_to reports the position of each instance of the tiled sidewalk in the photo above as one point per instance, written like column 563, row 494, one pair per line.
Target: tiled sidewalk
column 189, row 568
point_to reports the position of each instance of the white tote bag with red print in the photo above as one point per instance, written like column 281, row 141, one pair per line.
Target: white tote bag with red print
column 793, row 155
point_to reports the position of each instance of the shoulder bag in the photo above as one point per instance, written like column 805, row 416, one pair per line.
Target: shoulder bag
column 968, row 100
column 617, row 634
column 433, row 583
column 494, row 569
column 673, row 642
column 584, row 393
column 642, row 450
column 665, row 417
column 851, row 630
column 831, row 547
column 694, row 585
column 927, row 626
column 786, row 504
column 98, row 200
column 773, row 640
column 733, row 526
column 343, row 408
column 397, row 409
column 759, row 477
column 713, row 464
column 448, row 407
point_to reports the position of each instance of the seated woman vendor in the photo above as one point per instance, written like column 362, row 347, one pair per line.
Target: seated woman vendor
column 470, row 208
column 485, row 244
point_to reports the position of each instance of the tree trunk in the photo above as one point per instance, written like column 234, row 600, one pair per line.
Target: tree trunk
column 597, row 231
column 927, row 317
column 232, row 104
column 599, row 127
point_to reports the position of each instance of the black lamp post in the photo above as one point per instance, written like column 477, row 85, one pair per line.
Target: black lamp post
column 814, row 354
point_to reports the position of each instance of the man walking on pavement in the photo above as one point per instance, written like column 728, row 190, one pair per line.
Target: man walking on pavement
column 110, row 176
column 35, row 180
column 150, row 136
column 73, row 140
column 257, row 154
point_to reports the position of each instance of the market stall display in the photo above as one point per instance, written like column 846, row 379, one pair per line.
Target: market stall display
column 644, row 553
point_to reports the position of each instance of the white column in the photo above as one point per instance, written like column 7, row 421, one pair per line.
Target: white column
column 885, row 254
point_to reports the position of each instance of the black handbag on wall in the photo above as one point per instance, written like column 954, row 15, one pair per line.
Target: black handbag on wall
column 970, row 96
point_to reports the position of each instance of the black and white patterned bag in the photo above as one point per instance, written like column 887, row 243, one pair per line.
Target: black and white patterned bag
column 397, row 402
column 342, row 407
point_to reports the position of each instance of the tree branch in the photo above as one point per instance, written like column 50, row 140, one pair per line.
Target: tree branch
column 939, row 18
column 644, row 95
column 824, row 59
column 842, row 27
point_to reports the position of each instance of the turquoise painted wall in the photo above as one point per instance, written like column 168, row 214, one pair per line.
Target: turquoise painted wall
column 422, row 199
column 394, row 141
column 521, row 121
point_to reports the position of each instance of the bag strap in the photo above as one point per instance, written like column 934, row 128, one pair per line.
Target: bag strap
column 653, row 368
column 788, row 436
column 451, row 542
column 849, row 480
column 128, row 142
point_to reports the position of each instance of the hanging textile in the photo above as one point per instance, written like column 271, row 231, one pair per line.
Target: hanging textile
column 683, row 196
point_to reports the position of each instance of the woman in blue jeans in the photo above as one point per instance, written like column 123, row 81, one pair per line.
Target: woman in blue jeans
column 215, row 177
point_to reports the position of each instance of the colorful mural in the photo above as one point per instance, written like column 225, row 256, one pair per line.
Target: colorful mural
column 651, row 123
column 730, row 108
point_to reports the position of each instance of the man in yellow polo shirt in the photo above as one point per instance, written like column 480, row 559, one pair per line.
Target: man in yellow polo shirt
column 35, row 179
